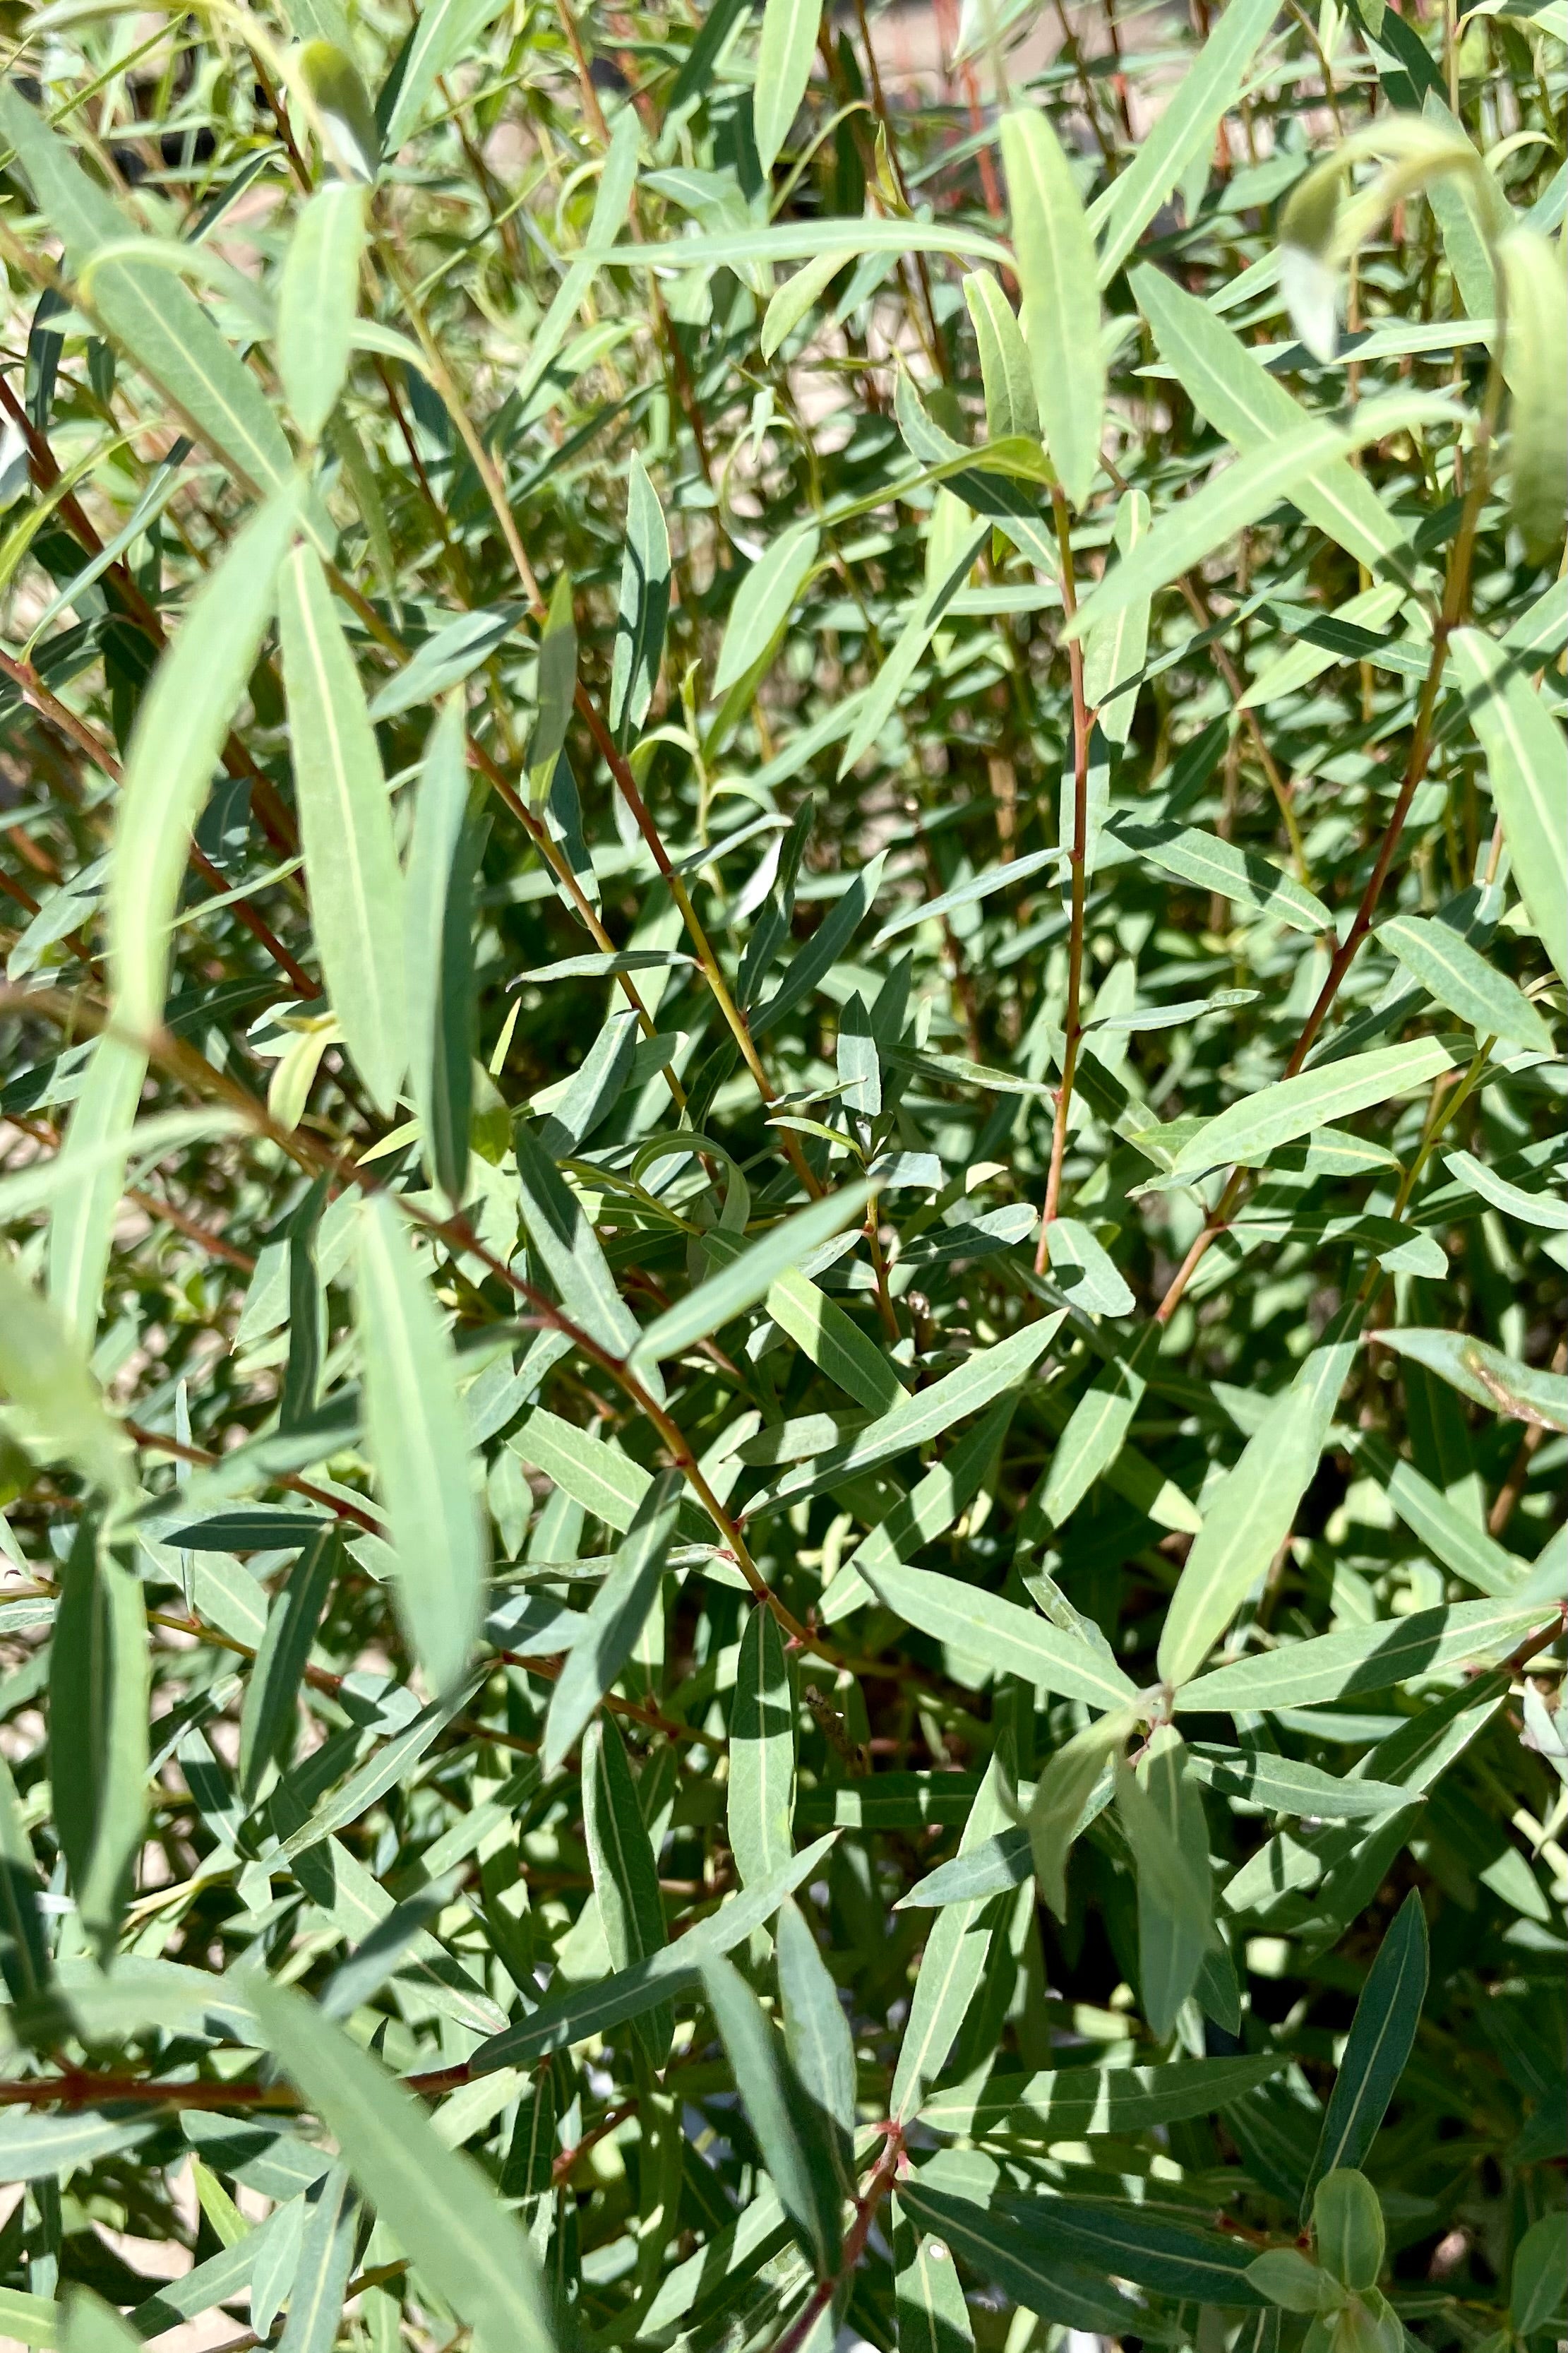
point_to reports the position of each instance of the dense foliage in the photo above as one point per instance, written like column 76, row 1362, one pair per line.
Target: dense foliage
column 786, row 902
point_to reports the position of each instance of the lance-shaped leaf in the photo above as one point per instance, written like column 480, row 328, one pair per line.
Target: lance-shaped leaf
column 24, row 1956
column 419, row 1440
column 1230, row 386
column 1185, row 129
column 271, row 1694
column 1251, row 1514
column 322, row 2275
column 562, row 1235
column 950, row 1969
column 571, row 2017
column 626, row 1875
column 1004, row 371
column 445, row 34
column 644, row 611
column 557, row 686
column 794, row 2147
column 91, row 1172
column 1367, row 1658
column 439, row 960
column 1060, row 319
column 88, row 2324
column 174, row 749
column 614, row 1619
column 1240, row 494
column 784, row 69
column 1077, row 2102
column 346, row 826
column 749, row 1277
column 764, row 600
column 441, row 2207
column 99, row 1685
column 147, row 310
column 817, row 2032
column 1537, row 300
column 1023, row 2255
column 1252, row 1130
column 1162, row 1816
column 1095, row 1434
column 1460, row 977
column 1114, row 653
column 834, row 1341
column 1381, row 2035
column 891, row 682
column 318, row 295
column 1525, row 756
column 1014, row 1641
column 1056, row 1810
column 927, row 1511
column 762, row 1751
column 928, row 2295
column 1486, row 1376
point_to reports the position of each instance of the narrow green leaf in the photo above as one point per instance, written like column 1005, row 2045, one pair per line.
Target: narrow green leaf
column 1486, row 1376
column 1244, row 492
column 965, row 1390
column 784, row 70
column 148, row 313
column 950, row 1967
column 614, row 1619
column 1234, row 391
column 834, row 1341
column 1544, row 1210
column 817, row 2031
column 644, row 610
column 557, row 686
column 1060, row 315
column 887, row 690
column 180, row 730
column 100, row 1687
column 1251, row 1130
column 419, row 1441
column 767, row 594
column 439, row 955
column 1525, row 756
column 625, row 1875
column 928, row 2295
column 1452, row 971
column 812, row 963
column 1004, row 370
column 24, row 1956
column 450, row 654
column 345, row 824
column 1162, row 1816
column 445, row 33
column 1079, row 2103
column 1015, row 1642
column 761, row 1752
column 81, row 1225
column 326, row 2257
column 563, row 2020
column 1094, row 1436
column 1253, row 1511
column 1185, row 129
column 441, row 2207
column 930, row 1508
column 1025, row 2257
column 318, row 295
column 750, row 1277
column 271, row 1694
column 1366, row 1658
column 1381, row 2035
column 1116, row 652
column 1539, row 2279
column 807, row 2188
column 1537, row 300
column 1062, row 1794
column 1230, row 869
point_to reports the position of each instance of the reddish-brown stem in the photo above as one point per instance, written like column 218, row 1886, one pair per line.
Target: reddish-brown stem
column 882, row 2177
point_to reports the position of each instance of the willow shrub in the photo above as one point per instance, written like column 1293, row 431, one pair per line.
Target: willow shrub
column 785, row 912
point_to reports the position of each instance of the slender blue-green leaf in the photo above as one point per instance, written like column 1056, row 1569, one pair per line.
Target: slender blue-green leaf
column 750, row 1277
column 784, row 68
column 1060, row 314
column 644, row 610
column 439, row 955
column 444, row 34
column 1255, row 1128
column 345, row 824
column 1525, row 755
column 1458, row 976
column 419, row 1444
column 271, row 1694
column 99, row 1685
column 616, row 1619
column 1366, row 1658
column 768, row 592
column 761, row 1752
column 318, row 295
column 792, row 2152
column 1382, row 2036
